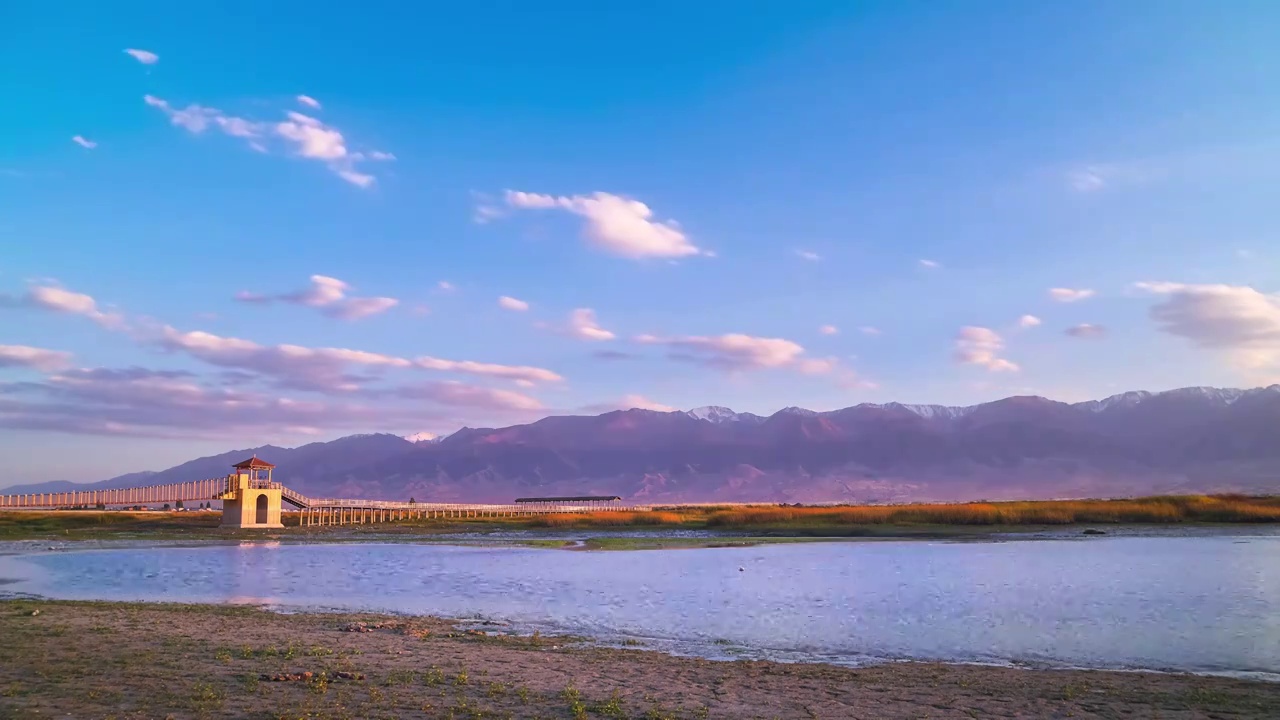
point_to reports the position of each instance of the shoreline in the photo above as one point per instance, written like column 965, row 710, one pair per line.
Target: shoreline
column 77, row 526
column 92, row 659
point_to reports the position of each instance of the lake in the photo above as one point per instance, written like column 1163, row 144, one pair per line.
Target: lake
column 1200, row 604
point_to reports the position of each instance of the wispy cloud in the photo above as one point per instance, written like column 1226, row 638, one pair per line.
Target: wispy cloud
column 456, row 394
column 145, row 57
column 1237, row 320
column 628, row 402
column 1070, row 295
column 982, row 346
column 929, row 264
column 445, row 286
column 510, row 303
column 83, row 142
column 736, row 352
column 829, row 330
column 869, row 330
column 25, row 356
column 329, row 295
column 308, row 101
column 135, row 402
column 1028, row 321
column 584, row 326
column 809, row 255
column 519, row 373
column 61, row 300
column 304, row 136
column 615, row 224
column 1086, row 330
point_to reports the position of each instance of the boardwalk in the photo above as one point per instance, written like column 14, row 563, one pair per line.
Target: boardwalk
column 250, row 482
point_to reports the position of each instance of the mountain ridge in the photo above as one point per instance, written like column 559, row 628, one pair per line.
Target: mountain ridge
column 1138, row 442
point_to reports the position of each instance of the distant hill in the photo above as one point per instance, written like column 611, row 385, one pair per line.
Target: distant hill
column 1188, row 440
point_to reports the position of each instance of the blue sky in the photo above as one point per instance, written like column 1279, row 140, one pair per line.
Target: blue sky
column 284, row 223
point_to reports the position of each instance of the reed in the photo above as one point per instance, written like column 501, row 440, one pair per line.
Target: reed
column 1169, row 509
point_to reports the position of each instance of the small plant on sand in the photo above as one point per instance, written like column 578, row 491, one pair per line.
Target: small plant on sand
column 222, row 656
column 612, row 708
column 318, row 651
column 433, row 676
column 399, row 677
column 522, row 692
column 461, row 678
column 206, row 697
column 496, row 689
column 574, row 698
column 319, row 683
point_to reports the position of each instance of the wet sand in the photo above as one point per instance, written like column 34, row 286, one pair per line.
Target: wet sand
column 99, row 660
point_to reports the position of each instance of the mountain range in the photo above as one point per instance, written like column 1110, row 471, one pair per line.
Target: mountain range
column 1026, row 447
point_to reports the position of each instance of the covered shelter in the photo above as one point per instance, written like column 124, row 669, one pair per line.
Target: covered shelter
column 252, row 499
column 570, row 502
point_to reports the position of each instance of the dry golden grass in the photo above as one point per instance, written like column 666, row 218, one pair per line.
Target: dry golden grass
column 1170, row 509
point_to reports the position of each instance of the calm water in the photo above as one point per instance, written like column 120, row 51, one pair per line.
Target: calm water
column 1206, row 604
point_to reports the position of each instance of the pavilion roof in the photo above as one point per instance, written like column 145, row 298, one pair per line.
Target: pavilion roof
column 253, row 463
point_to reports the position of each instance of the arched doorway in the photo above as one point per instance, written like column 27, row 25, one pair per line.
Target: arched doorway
column 262, row 510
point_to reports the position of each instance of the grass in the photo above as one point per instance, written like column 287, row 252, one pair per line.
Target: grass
column 824, row 520
column 1149, row 510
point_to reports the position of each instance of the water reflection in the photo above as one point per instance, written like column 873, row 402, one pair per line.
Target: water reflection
column 1197, row 603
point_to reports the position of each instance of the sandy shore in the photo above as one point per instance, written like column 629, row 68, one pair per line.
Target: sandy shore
column 111, row 660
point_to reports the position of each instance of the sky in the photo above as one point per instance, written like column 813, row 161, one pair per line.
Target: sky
column 232, row 224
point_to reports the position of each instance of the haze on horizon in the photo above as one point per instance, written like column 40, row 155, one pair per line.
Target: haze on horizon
column 224, row 234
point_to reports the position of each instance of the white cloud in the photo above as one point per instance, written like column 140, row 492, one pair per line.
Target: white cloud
column 306, row 136
column 1068, row 295
column 982, row 346
column 143, row 56
column 445, row 286
column 197, row 118
column 808, row 255
column 583, row 325
column 313, row 138
column 1028, row 321
column 510, row 303
column 453, row 393
column 83, row 142
column 25, row 356
column 309, row 101
column 1237, row 320
column 1086, row 330
column 1106, row 176
column 57, row 299
column 869, row 330
column 380, row 156
column 615, row 224
column 294, row 366
column 518, row 373
column 329, row 295
column 929, row 264
column 736, row 351
column 629, row 402
column 173, row 404
column 829, row 330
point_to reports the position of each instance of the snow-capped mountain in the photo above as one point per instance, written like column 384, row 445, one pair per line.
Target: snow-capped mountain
column 1180, row 441
column 716, row 414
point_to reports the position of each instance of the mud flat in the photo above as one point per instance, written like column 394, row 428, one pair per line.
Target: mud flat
column 128, row 660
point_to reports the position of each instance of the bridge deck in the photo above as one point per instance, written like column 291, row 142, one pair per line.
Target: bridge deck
column 218, row 489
